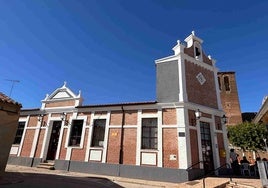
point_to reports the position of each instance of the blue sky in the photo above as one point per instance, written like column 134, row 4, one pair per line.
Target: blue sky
column 107, row 48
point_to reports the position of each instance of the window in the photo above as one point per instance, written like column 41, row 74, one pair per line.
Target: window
column 197, row 52
column 149, row 133
column 219, row 82
column 76, row 132
column 226, row 83
column 98, row 133
column 19, row 133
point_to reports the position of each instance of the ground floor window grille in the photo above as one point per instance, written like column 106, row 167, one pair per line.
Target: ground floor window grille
column 76, row 132
column 19, row 133
column 98, row 133
column 149, row 133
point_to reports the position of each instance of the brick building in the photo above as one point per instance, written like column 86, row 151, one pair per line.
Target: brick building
column 229, row 97
column 9, row 115
column 164, row 140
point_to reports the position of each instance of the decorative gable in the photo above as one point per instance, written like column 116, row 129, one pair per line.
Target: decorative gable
column 62, row 96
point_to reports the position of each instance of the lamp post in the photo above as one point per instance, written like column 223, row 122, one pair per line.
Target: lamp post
column 224, row 119
column 198, row 114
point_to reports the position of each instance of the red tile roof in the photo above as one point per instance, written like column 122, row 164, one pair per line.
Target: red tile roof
column 6, row 99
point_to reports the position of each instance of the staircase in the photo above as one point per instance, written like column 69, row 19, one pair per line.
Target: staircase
column 238, row 185
column 47, row 165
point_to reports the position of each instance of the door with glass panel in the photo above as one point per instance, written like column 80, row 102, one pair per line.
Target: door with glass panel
column 207, row 153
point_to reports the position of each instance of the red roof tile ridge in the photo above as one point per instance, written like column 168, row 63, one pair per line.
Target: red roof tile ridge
column 7, row 99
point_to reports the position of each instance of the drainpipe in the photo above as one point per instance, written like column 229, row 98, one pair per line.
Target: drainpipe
column 122, row 136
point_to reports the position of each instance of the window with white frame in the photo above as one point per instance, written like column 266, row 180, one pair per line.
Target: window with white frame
column 19, row 133
column 98, row 133
column 149, row 133
column 76, row 132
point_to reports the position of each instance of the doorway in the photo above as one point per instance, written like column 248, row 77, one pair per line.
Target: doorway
column 207, row 153
column 54, row 140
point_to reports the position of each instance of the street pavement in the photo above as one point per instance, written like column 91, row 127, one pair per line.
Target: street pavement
column 31, row 177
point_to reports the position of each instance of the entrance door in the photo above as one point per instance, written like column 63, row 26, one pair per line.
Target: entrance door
column 207, row 152
column 54, row 139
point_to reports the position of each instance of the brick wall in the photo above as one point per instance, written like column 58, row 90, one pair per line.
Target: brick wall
column 63, row 150
column 221, row 148
column 190, row 52
column 230, row 99
column 113, row 149
column 169, row 116
column 40, row 143
column 116, row 118
column 32, row 121
column 201, row 94
column 27, row 143
column 131, row 117
column 130, row 146
column 194, row 147
column 150, row 111
column 78, row 154
column 170, row 147
column 192, row 118
column 60, row 103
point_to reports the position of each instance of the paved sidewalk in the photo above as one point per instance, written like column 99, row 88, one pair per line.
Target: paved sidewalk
column 21, row 176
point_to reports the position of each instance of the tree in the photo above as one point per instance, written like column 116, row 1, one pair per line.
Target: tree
column 248, row 136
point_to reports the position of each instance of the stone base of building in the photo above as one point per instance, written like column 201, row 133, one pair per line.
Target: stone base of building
column 24, row 161
column 127, row 171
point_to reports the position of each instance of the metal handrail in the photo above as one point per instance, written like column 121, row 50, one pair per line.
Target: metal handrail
column 194, row 165
column 226, row 164
column 212, row 171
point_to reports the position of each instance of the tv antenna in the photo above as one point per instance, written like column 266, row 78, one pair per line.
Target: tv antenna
column 13, row 82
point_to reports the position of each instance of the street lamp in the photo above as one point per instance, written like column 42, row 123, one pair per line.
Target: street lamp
column 224, row 119
column 198, row 114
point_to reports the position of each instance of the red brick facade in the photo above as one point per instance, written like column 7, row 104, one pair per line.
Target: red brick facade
column 27, row 143
column 206, row 94
column 229, row 97
column 170, row 147
column 164, row 134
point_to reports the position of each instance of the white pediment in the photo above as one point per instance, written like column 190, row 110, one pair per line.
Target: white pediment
column 61, row 94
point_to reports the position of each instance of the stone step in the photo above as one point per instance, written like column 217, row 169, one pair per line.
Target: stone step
column 49, row 166
column 238, row 185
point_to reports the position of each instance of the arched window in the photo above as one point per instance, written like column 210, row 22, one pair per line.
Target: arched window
column 197, row 51
column 219, row 82
column 226, row 83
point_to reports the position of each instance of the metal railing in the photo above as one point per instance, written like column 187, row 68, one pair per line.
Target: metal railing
column 212, row 171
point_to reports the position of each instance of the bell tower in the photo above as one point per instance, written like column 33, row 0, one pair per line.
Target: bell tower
column 188, row 76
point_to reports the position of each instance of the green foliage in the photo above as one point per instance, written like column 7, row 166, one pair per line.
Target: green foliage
column 248, row 136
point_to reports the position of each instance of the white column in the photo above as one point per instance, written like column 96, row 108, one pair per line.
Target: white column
column 160, row 139
column 106, row 134
column 214, row 139
column 138, row 149
column 226, row 143
column 182, row 80
column 199, row 142
column 89, row 136
column 183, row 139
column 23, row 135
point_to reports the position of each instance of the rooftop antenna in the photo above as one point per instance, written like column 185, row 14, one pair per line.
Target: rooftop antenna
column 13, row 82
